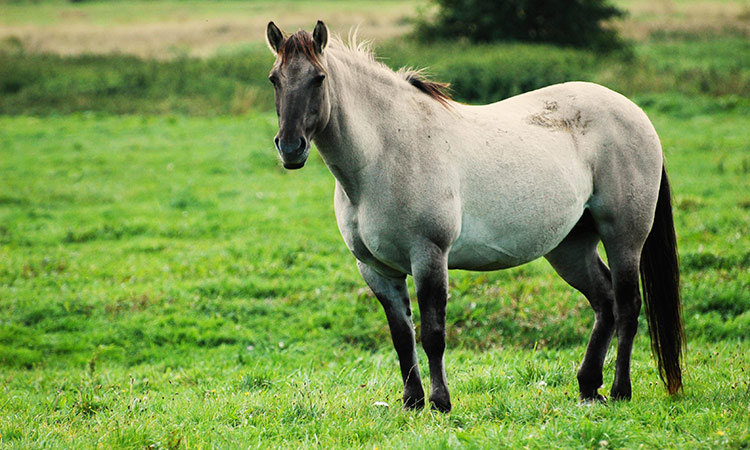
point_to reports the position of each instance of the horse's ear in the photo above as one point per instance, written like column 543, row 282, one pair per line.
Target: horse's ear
column 274, row 37
column 320, row 37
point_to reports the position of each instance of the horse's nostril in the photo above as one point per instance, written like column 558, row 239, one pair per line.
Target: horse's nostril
column 302, row 143
column 276, row 142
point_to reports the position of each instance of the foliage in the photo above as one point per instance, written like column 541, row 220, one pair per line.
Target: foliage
column 577, row 23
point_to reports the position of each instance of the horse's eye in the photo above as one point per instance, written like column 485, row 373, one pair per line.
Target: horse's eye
column 273, row 79
column 318, row 80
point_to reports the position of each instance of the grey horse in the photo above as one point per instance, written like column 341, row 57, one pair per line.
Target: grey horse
column 425, row 184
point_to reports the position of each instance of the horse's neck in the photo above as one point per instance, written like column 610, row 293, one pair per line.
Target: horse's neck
column 361, row 105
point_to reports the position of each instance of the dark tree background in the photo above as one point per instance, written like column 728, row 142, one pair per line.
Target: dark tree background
column 576, row 23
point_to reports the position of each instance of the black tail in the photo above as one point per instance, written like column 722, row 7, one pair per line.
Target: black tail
column 660, row 277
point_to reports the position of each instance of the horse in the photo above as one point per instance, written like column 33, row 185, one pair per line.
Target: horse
column 425, row 184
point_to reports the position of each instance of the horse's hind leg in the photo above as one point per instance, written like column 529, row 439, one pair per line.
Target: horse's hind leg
column 624, row 262
column 394, row 296
column 577, row 261
column 623, row 236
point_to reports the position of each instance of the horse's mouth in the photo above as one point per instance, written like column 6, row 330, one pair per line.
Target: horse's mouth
column 295, row 162
column 293, row 166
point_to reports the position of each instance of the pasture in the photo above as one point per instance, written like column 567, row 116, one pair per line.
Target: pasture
column 164, row 283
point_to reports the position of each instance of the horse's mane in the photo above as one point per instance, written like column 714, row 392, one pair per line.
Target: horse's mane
column 301, row 42
column 435, row 89
column 415, row 77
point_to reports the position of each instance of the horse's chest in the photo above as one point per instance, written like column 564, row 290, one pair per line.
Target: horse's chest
column 371, row 238
column 377, row 244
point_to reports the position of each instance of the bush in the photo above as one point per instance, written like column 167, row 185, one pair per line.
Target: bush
column 577, row 23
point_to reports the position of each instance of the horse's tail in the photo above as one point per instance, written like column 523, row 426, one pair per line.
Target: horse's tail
column 660, row 277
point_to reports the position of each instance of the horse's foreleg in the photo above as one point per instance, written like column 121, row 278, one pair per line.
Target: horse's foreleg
column 394, row 296
column 430, row 270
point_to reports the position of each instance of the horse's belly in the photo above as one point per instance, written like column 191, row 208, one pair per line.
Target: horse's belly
column 487, row 244
column 518, row 206
column 481, row 256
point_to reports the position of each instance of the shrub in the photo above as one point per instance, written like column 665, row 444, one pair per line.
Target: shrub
column 577, row 23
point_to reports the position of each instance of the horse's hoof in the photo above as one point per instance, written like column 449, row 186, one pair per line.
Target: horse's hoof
column 442, row 405
column 412, row 403
column 621, row 391
column 620, row 396
column 595, row 398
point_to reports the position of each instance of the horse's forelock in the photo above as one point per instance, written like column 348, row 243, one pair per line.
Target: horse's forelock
column 299, row 43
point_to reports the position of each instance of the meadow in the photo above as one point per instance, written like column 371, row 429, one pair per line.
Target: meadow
column 165, row 284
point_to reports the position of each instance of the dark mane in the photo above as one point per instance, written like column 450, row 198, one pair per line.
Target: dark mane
column 298, row 43
column 435, row 89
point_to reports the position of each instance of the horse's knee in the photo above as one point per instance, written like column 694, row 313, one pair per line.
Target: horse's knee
column 604, row 318
column 431, row 281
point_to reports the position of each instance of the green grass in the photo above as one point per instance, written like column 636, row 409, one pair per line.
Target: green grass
column 165, row 284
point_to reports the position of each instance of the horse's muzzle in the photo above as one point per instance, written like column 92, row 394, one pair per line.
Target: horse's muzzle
column 293, row 154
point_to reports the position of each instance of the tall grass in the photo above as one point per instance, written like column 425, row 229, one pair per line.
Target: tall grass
column 45, row 83
column 235, row 83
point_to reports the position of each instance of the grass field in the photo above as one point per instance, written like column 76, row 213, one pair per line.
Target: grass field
column 165, row 284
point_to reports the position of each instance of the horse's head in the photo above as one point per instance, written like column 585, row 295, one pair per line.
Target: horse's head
column 301, row 92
